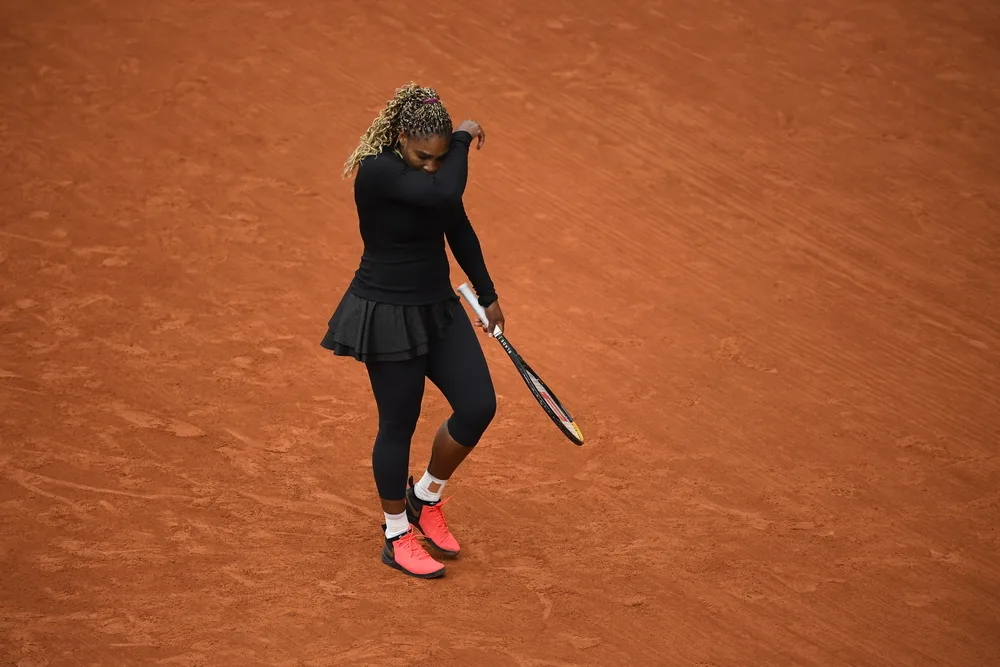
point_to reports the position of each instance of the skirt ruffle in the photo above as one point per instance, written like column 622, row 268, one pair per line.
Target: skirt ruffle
column 372, row 331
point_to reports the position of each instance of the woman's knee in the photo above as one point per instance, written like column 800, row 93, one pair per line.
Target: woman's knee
column 484, row 410
column 472, row 417
column 398, row 427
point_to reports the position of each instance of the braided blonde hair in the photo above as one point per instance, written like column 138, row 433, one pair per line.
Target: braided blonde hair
column 415, row 110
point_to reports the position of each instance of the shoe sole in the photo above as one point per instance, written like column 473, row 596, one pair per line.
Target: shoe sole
column 396, row 566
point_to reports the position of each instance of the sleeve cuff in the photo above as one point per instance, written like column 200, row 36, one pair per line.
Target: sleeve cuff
column 488, row 299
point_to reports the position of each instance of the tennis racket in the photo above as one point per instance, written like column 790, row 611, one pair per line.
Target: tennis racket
column 553, row 408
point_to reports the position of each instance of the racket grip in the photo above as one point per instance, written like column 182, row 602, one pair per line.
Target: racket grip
column 473, row 302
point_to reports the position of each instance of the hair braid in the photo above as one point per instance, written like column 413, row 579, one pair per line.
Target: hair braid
column 415, row 110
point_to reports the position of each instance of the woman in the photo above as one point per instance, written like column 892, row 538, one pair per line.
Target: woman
column 402, row 318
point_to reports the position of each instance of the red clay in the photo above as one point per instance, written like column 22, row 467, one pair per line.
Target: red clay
column 753, row 246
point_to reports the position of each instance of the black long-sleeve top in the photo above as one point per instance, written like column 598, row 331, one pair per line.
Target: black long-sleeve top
column 405, row 215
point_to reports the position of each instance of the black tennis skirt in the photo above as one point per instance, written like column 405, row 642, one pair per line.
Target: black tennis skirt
column 373, row 331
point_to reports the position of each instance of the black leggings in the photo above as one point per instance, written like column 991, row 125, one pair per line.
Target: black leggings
column 457, row 366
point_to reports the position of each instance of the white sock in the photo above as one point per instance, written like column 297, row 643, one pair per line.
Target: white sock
column 396, row 524
column 423, row 488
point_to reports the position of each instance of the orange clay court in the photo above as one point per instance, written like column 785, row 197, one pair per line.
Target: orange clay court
column 754, row 248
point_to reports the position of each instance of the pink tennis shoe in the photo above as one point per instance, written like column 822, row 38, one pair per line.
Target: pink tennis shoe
column 429, row 520
column 406, row 554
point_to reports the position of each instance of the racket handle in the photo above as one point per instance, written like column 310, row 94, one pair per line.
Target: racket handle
column 473, row 302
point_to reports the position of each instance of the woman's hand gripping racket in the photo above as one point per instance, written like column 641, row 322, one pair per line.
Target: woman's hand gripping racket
column 553, row 408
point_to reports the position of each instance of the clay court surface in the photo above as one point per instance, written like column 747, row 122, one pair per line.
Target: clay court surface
column 754, row 247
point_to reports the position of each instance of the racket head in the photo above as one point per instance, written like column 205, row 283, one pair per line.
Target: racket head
column 550, row 403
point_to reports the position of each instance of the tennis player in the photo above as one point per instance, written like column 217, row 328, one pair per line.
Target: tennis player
column 401, row 317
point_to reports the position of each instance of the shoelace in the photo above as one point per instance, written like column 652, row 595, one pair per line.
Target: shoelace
column 412, row 546
column 436, row 516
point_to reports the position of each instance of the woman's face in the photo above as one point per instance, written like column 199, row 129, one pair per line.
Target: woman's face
column 424, row 153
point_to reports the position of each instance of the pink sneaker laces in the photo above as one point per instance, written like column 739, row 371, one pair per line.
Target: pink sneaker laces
column 412, row 546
